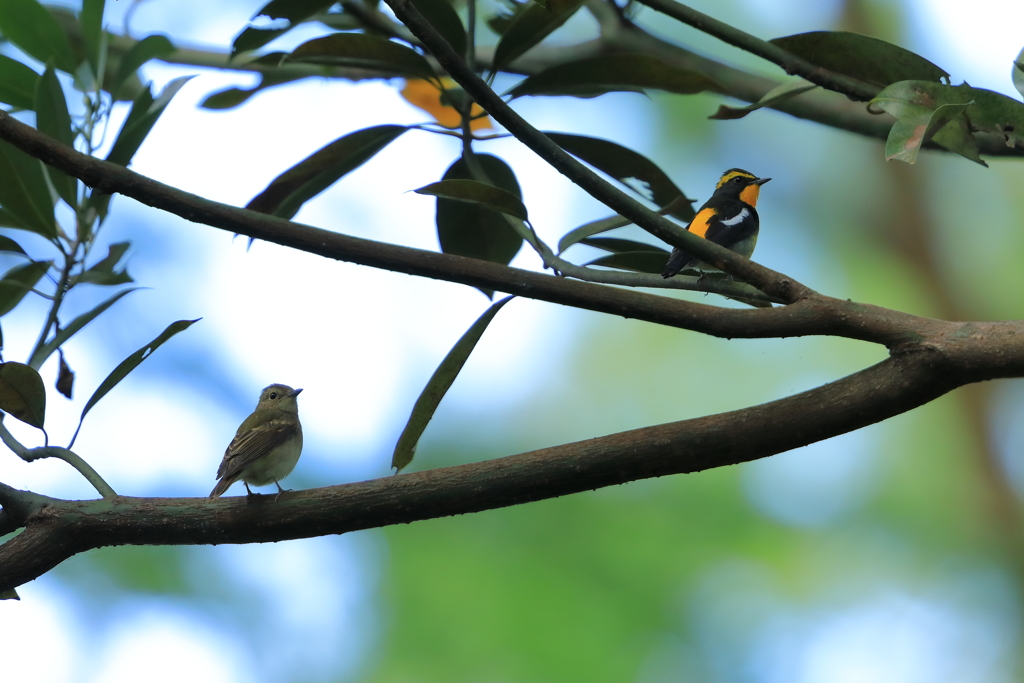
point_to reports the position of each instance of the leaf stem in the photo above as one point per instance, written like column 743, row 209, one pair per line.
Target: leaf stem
column 70, row 457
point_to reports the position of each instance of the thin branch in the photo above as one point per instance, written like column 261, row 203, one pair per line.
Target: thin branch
column 70, row 457
column 793, row 64
column 889, row 388
column 819, row 315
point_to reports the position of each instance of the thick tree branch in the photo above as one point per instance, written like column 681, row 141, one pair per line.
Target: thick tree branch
column 59, row 530
column 817, row 315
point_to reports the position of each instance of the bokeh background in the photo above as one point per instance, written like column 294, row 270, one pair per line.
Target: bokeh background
column 889, row 554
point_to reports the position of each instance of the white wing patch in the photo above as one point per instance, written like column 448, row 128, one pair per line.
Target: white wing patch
column 738, row 218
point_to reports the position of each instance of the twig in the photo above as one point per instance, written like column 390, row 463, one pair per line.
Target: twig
column 70, row 457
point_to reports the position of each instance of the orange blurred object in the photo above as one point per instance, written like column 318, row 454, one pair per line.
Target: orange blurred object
column 427, row 96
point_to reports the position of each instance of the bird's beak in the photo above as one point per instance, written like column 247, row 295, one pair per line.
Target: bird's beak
column 295, row 392
column 760, row 181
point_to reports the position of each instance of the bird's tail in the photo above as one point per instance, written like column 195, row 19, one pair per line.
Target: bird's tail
column 676, row 262
column 222, row 486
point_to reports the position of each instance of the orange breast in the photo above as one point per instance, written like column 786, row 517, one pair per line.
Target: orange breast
column 700, row 223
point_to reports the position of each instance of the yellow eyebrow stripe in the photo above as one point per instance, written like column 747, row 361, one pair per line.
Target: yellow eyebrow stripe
column 702, row 221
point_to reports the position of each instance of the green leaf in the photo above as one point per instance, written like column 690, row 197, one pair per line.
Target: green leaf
column 619, row 72
column 24, row 192
column 103, row 273
column 437, row 387
column 780, row 93
column 10, row 594
column 28, row 24
column 628, row 255
column 630, row 168
column 591, row 228
column 22, row 394
column 867, row 59
column 143, row 116
column 17, row 282
column 17, row 83
column 636, row 261
column 908, row 135
column 293, row 11
column 150, row 47
column 443, row 17
column 531, row 25
column 129, row 364
column 620, row 246
column 475, row 192
column 7, row 244
column 44, row 351
column 53, row 119
column 289, row 191
column 232, row 97
column 474, row 230
column 359, row 50
column 924, row 103
column 91, row 19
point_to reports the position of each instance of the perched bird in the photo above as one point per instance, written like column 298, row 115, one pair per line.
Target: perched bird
column 727, row 218
column 267, row 444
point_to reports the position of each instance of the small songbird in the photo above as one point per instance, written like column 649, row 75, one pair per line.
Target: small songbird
column 267, row 444
column 728, row 218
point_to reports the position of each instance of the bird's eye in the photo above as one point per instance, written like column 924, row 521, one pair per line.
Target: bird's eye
column 737, row 180
column 273, row 394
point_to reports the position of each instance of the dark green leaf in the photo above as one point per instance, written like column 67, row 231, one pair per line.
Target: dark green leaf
column 232, row 97
column 143, row 116
column 22, row 394
column 7, row 244
column 437, row 387
column 314, row 174
column 150, row 47
column 532, row 23
column 591, row 228
column 781, row 93
column 53, row 119
column 868, row 59
column 17, row 282
column 636, row 261
column 471, row 229
column 621, row 246
column 65, row 378
column 475, row 192
column 103, row 272
column 619, row 72
column 291, row 11
column 359, row 50
column 10, row 594
column 28, row 24
column 24, row 192
column 129, row 364
column 630, row 168
column 442, row 16
column 17, row 83
column 91, row 20
column 44, row 351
